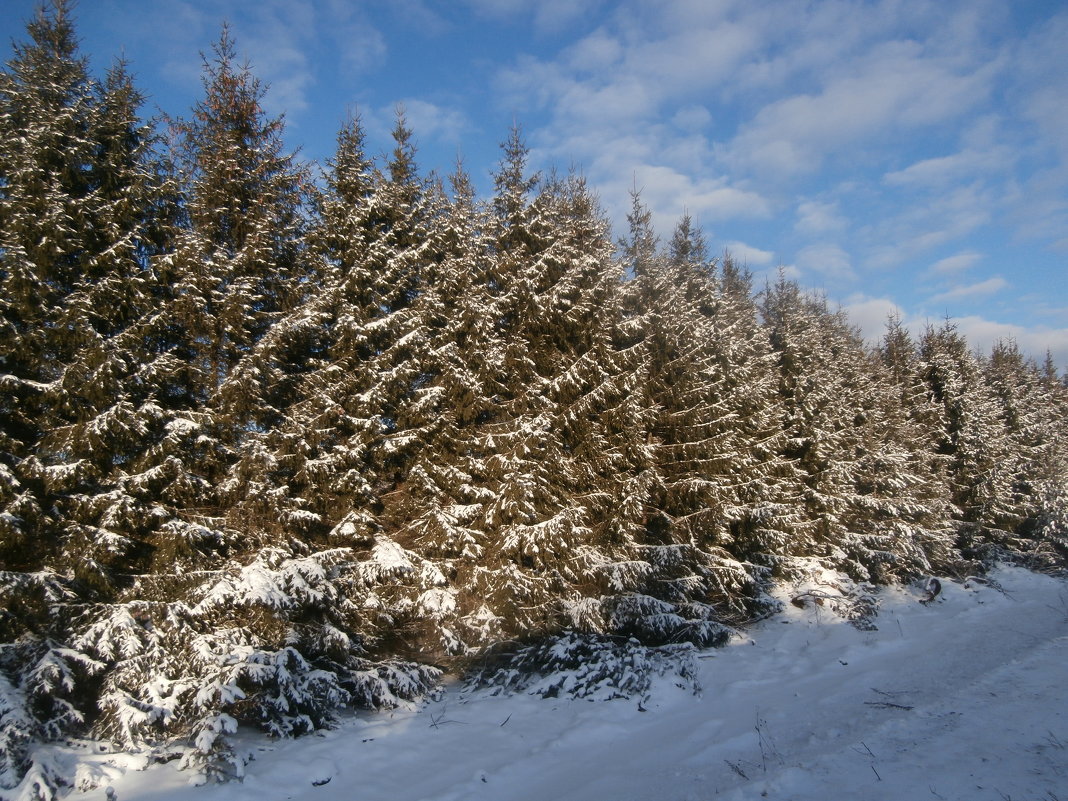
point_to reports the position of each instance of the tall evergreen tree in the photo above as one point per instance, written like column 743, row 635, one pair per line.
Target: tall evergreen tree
column 867, row 506
column 973, row 438
column 1031, row 409
column 48, row 116
column 82, row 213
column 242, row 259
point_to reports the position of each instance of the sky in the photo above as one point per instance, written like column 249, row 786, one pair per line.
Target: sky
column 900, row 156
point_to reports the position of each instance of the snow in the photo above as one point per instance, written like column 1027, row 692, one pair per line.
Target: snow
column 961, row 698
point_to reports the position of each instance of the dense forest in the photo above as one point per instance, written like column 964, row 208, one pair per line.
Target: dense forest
column 278, row 439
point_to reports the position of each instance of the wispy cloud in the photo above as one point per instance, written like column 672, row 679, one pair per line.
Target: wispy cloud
column 547, row 15
column 953, row 265
column 943, row 170
column 912, row 229
column 749, row 255
column 817, row 217
column 896, row 88
column 826, row 261
column 981, row 289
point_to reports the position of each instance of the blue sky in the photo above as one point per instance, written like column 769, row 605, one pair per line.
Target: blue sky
column 896, row 155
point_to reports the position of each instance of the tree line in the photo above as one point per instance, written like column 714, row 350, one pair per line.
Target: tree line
column 277, row 439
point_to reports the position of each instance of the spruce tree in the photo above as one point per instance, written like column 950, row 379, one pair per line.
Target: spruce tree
column 709, row 430
column 81, row 215
column 866, row 505
column 1031, row 409
column 242, row 258
column 47, row 115
column 974, row 439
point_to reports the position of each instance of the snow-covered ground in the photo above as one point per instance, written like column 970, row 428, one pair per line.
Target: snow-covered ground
column 965, row 698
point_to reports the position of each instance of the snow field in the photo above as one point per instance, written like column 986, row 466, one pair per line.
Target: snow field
column 960, row 699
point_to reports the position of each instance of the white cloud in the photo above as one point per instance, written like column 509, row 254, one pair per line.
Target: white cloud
column 895, row 88
column 870, row 314
column 932, row 222
column 819, row 217
column 981, row 289
column 1033, row 341
column 1040, row 69
column 670, row 193
column 433, row 121
column 944, row 170
column 418, row 14
column 548, row 15
column 692, row 118
column 594, row 53
column 749, row 255
column 826, row 260
column 958, row 263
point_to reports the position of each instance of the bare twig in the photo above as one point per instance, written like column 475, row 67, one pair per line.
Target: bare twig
column 888, row 705
column 890, row 693
column 439, row 719
column 866, row 750
column 767, row 745
column 737, row 769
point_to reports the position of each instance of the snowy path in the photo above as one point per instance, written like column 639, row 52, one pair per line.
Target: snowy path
column 962, row 699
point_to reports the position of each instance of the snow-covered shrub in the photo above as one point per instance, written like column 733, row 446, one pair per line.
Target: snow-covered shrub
column 590, row 666
column 1050, row 549
column 816, row 586
column 274, row 643
column 41, row 684
column 671, row 594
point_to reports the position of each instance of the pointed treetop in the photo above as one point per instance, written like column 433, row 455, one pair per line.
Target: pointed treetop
column 350, row 174
column 52, row 28
column 639, row 246
column 49, row 65
column 463, row 191
column 737, row 280
column 402, row 167
column 687, row 244
column 512, row 187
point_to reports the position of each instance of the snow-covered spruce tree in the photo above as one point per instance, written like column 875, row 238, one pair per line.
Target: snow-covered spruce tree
column 332, row 475
column 642, row 584
column 433, row 511
column 530, row 533
column 82, row 213
column 565, row 460
column 311, row 465
column 1051, row 527
column 241, row 260
column 236, row 265
column 105, row 411
column 867, row 508
column 975, row 440
column 702, row 438
column 916, row 475
column 49, row 110
column 1032, row 413
column 339, row 445
column 741, row 458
